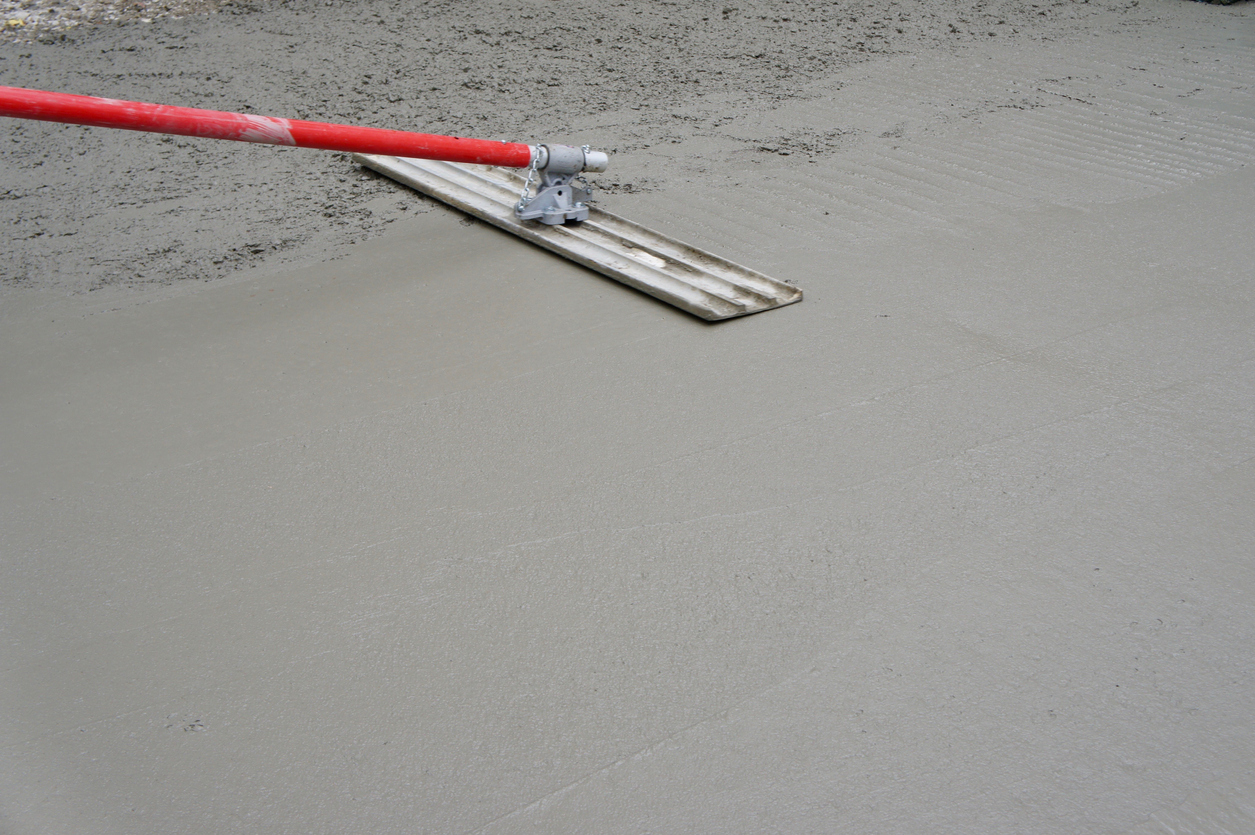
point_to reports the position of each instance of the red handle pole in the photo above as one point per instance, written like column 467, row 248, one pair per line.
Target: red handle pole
column 21, row 103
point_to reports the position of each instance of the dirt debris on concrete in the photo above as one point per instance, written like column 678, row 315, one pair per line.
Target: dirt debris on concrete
column 88, row 208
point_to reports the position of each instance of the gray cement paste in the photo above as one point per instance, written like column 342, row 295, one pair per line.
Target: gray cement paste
column 323, row 510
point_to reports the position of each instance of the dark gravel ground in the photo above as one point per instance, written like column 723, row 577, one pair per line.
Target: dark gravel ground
column 87, row 208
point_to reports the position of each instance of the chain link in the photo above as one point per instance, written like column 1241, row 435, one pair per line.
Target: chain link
column 527, row 186
column 581, row 179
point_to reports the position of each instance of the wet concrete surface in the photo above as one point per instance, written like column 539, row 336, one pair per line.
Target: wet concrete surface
column 447, row 535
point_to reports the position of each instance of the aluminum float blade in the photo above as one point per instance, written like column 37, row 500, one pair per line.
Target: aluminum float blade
column 689, row 278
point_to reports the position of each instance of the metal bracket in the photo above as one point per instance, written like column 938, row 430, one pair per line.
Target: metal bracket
column 562, row 194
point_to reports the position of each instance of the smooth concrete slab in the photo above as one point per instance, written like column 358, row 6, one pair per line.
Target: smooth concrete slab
column 449, row 536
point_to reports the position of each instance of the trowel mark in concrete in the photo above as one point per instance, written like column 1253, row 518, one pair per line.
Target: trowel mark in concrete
column 1226, row 807
column 1016, row 139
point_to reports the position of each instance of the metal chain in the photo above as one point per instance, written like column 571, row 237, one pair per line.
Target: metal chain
column 587, row 186
column 527, row 187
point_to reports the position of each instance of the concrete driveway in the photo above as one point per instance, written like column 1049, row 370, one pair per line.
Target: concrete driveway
column 448, row 535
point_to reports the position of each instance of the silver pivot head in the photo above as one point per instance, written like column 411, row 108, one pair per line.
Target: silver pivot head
column 562, row 194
